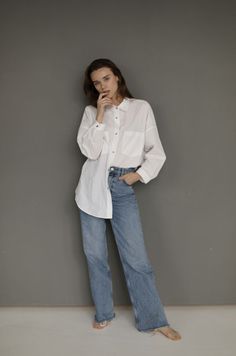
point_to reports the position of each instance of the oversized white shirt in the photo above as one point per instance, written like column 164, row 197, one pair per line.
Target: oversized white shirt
column 127, row 137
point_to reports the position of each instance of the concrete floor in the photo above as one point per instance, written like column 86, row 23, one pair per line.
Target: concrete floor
column 67, row 331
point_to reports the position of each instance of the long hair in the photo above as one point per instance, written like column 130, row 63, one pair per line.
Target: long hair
column 88, row 86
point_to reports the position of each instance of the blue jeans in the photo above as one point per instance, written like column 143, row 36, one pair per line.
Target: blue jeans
column 140, row 279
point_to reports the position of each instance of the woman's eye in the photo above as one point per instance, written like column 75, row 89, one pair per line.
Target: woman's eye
column 104, row 79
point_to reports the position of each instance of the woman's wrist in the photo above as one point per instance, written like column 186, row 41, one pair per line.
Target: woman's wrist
column 138, row 176
column 99, row 119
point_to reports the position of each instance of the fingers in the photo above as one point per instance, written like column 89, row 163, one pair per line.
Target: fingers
column 127, row 177
column 103, row 100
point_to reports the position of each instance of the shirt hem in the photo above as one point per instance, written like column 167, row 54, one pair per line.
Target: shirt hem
column 108, row 216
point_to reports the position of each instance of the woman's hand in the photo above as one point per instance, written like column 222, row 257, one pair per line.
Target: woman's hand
column 102, row 101
column 131, row 177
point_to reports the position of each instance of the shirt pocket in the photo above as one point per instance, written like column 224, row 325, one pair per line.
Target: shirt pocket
column 132, row 143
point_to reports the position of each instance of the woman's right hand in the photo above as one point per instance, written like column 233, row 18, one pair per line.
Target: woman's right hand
column 102, row 101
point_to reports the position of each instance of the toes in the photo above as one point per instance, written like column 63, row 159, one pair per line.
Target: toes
column 170, row 333
column 100, row 325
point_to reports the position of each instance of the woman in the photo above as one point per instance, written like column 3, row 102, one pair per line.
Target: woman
column 119, row 137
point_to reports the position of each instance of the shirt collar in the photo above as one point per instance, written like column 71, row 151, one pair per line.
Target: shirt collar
column 122, row 106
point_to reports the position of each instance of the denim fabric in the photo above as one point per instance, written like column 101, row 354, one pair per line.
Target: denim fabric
column 140, row 279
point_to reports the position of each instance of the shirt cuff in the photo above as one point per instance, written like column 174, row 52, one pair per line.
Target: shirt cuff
column 99, row 125
column 144, row 177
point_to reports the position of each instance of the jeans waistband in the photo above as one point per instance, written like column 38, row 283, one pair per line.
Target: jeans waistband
column 121, row 170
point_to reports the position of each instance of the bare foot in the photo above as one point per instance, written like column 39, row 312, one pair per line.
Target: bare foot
column 168, row 332
column 101, row 324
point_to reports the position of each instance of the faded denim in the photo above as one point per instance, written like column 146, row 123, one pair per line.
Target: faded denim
column 140, row 279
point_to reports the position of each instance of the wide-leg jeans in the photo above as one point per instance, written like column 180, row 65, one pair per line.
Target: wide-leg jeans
column 139, row 275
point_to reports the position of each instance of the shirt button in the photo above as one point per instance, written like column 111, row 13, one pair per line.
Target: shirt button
column 96, row 125
column 116, row 133
column 113, row 151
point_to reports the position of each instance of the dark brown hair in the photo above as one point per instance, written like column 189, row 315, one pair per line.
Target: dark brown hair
column 88, row 86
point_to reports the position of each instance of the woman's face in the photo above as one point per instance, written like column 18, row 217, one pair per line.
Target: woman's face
column 104, row 80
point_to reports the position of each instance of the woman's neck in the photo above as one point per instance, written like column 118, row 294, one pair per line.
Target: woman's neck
column 116, row 101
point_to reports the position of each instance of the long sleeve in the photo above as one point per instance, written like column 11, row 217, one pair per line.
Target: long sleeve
column 154, row 155
column 90, row 135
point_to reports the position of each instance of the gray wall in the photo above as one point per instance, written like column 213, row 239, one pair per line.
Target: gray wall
column 180, row 56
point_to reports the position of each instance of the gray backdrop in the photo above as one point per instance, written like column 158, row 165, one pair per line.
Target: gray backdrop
column 178, row 55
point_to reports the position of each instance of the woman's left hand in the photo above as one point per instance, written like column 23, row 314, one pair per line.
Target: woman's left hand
column 131, row 177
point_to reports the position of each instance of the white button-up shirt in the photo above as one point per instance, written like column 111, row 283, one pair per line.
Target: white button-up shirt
column 127, row 137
